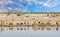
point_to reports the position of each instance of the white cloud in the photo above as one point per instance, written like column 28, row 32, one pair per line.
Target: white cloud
column 30, row 2
column 51, row 3
column 9, row 8
column 3, row 7
column 47, row 3
column 25, row 10
column 3, row 3
column 3, row 10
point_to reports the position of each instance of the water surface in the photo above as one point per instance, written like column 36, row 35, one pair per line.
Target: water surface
column 28, row 32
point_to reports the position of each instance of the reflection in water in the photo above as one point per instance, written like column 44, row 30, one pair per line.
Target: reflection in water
column 27, row 28
column 10, row 28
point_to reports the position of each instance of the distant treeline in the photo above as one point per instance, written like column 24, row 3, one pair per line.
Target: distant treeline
column 29, row 12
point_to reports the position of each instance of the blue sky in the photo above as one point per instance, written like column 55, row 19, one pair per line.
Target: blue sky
column 30, row 5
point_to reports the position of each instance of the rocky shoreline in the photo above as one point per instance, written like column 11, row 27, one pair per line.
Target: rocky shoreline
column 18, row 19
